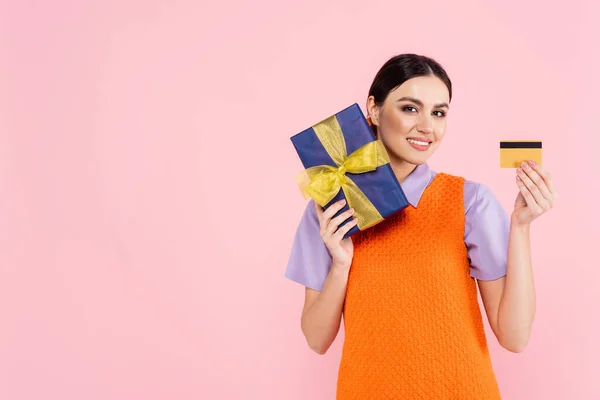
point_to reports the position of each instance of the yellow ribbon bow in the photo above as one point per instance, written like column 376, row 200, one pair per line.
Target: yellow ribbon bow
column 323, row 182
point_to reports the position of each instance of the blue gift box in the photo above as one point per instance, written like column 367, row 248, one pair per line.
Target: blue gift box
column 380, row 186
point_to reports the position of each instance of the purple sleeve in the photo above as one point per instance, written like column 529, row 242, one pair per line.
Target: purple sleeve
column 309, row 261
column 486, row 232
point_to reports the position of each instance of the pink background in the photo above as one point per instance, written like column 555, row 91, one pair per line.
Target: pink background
column 147, row 199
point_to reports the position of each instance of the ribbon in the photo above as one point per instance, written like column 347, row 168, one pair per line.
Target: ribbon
column 323, row 182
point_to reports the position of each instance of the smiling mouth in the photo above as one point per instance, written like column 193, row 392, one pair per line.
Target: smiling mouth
column 419, row 144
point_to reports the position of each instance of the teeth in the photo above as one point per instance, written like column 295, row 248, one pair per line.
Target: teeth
column 418, row 142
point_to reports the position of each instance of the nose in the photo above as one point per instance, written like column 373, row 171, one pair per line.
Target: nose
column 425, row 125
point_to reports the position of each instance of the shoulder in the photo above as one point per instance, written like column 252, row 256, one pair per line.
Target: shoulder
column 476, row 194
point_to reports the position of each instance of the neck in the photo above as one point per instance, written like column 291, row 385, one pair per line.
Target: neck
column 402, row 169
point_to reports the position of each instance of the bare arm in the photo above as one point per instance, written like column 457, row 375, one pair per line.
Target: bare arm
column 322, row 312
column 510, row 301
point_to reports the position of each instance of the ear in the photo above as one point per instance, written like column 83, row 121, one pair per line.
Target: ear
column 372, row 111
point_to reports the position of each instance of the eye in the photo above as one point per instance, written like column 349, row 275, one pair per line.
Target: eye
column 440, row 114
column 409, row 108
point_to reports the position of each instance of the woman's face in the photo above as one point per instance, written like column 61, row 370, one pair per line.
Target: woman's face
column 412, row 120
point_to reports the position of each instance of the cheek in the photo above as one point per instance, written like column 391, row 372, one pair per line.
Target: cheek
column 440, row 130
column 400, row 124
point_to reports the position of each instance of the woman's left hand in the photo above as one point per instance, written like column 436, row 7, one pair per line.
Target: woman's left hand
column 536, row 193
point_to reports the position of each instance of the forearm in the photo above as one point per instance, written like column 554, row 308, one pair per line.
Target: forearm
column 516, row 311
column 321, row 322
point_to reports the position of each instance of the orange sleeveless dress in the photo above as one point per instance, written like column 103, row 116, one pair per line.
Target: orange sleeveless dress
column 413, row 327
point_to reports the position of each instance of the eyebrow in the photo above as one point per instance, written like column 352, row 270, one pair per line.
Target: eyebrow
column 419, row 102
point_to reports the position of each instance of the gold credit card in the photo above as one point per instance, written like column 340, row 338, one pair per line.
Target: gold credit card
column 514, row 152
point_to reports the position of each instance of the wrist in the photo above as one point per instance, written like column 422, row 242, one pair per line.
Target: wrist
column 516, row 224
column 340, row 269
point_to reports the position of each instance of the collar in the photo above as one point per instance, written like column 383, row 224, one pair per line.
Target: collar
column 416, row 182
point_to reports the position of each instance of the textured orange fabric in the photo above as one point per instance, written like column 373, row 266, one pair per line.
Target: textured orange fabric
column 413, row 327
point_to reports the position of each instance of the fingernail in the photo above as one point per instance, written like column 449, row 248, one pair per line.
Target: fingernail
column 352, row 211
column 520, row 170
column 532, row 162
column 524, row 164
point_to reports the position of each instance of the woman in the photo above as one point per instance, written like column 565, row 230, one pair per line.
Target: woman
column 407, row 287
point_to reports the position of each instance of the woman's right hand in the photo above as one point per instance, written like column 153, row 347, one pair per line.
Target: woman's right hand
column 341, row 250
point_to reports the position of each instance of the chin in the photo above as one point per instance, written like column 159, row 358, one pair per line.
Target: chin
column 416, row 159
column 420, row 161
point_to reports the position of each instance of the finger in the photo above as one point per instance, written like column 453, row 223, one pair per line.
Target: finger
column 546, row 177
column 337, row 221
column 529, row 199
column 533, row 189
column 326, row 215
column 539, row 181
column 339, row 235
column 332, row 210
